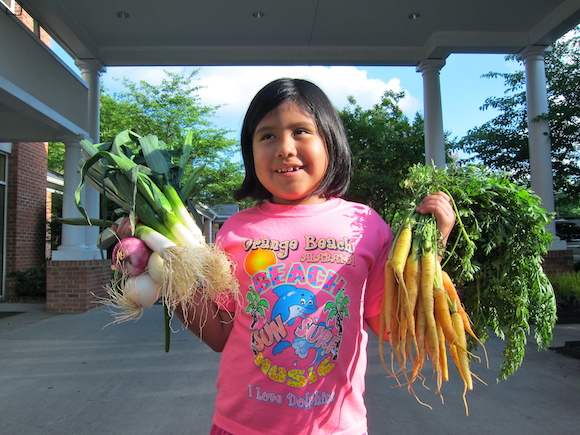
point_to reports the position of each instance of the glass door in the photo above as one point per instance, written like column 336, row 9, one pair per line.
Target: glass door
column 3, row 177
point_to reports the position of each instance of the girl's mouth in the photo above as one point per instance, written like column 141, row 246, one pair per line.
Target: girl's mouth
column 284, row 170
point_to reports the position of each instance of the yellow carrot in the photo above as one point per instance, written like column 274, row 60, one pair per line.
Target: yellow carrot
column 399, row 260
column 401, row 251
column 390, row 288
column 386, row 320
column 412, row 280
column 427, row 279
column 420, row 326
column 462, row 356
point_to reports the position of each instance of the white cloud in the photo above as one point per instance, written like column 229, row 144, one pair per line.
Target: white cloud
column 234, row 87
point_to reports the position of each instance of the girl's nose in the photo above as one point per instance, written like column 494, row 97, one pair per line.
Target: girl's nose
column 286, row 148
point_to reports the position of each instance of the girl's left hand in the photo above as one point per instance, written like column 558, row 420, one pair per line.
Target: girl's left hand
column 440, row 205
column 123, row 229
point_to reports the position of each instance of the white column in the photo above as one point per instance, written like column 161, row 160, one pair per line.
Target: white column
column 91, row 72
column 434, row 134
column 72, row 246
column 539, row 132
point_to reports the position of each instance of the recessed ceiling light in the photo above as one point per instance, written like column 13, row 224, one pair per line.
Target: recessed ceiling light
column 258, row 14
column 123, row 15
column 414, row 15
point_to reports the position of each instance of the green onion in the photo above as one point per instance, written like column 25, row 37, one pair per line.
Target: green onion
column 146, row 181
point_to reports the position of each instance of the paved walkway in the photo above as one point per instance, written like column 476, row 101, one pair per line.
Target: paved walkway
column 64, row 374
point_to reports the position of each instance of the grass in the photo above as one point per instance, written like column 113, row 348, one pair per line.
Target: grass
column 566, row 285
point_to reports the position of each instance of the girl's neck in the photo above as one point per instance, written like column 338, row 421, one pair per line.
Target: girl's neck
column 310, row 199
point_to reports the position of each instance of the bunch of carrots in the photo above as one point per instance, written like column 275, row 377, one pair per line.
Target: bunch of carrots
column 422, row 316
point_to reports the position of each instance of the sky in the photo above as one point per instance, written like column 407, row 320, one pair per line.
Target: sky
column 463, row 89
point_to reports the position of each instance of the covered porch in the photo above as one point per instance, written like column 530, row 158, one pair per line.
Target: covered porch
column 42, row 100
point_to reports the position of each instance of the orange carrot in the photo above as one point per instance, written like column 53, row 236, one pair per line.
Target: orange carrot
column 443, row 354
column 443, row 315
column 454, row 297
column 386, row 315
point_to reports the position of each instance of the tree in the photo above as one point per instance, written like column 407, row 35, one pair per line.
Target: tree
column 502, row 143
column 55, row 156
column 168, row 111
column 384, row 144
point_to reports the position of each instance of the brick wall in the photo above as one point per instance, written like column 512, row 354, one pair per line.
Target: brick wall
column 558, row 262
column 75, row 286
column 26, row 209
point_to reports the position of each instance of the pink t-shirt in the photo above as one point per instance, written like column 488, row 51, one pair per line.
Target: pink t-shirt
column 296, row 357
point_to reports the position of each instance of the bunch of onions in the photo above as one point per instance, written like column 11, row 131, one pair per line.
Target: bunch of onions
column 141, row 175
column 141, row 283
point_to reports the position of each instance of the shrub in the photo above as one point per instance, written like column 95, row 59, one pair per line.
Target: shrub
column 566, row 285
column 31, row 282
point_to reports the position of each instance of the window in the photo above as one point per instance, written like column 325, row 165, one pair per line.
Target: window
column 3, row 179
column 9, row 4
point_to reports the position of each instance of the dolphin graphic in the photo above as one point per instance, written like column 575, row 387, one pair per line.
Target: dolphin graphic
column 292, row 303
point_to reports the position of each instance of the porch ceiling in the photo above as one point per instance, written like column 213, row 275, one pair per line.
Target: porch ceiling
column 324, row 32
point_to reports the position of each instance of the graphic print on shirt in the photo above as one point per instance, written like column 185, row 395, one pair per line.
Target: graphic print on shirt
column 298, row 310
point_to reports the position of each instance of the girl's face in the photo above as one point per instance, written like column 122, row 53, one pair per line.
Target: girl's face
column 290, row 156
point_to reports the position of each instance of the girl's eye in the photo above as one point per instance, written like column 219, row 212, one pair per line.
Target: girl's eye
column 301, row 131
column 267, row 136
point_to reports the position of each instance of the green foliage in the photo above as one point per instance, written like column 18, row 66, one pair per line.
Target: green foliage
column 502, row 143
column 169, row 111
column 496, row 251
column 56, row 157
column 31, row 282
column 384, row 144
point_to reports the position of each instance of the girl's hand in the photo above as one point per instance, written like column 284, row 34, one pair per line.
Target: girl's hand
column 440, row 205
column 123, row 229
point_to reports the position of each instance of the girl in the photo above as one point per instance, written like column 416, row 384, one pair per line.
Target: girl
column 310, row 267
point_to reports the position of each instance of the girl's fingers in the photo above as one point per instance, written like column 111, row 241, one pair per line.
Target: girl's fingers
column 440, row 205
column 123, row 230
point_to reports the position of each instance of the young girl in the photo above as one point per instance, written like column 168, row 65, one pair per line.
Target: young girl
column 310, row 267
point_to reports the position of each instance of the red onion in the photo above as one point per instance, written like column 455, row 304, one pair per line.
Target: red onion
column 130, row 256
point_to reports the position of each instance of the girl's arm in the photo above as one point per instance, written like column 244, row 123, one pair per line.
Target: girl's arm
column 211, row 324
column 440, row 205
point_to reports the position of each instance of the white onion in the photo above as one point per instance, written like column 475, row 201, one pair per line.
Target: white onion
column 142, row 289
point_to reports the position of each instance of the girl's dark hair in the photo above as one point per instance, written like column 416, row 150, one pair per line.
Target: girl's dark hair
column 313, row 101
